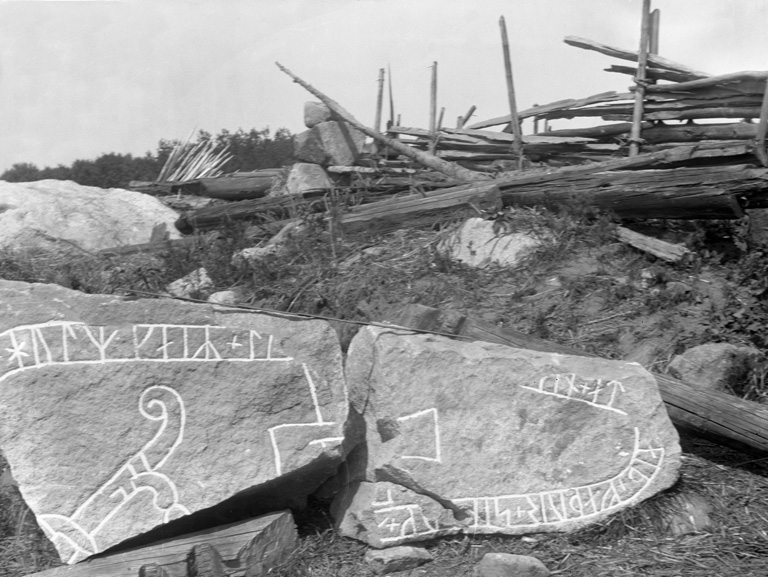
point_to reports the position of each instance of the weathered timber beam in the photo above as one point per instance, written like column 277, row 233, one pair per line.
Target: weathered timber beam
column 554, row 106
column 251, row 547
column 731, row 78
column 651, row 73
column 428, row 160
column 725, row 419
column 667, row 251
column 654, row 59
column 693, row 193
column 481, row 194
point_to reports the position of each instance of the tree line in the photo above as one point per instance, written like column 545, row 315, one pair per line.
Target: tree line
column 250, row 150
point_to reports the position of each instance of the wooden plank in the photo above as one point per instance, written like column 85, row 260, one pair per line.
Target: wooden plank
column 246, row 548
column 428, row 160
column 655, row 60
column 667, row 251
column 722, row 418
column 651, row 73
column 553, row 107
column 720, row 80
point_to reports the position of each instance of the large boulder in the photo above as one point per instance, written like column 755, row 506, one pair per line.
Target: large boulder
column 66, row 215
column 329, row 143
column 119, row 416
column 482, row 438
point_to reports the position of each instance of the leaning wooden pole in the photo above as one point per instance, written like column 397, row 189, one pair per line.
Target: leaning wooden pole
column 379, row 100
column 642, row 61
column 433, row 101
column 428, row 160
column 517, row 148
column 762, row 128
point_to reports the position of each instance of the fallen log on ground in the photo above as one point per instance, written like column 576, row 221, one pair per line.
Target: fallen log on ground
column 239, row 186
column 668, row 251
column 700, row 192
column 426, row 159
column 389, row 213
column 722, row 418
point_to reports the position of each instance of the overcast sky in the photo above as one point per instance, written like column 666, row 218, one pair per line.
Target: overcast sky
column 83, row 78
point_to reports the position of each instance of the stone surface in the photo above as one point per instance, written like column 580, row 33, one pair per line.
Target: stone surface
column 714, row 366
column 117, row 416
column 64, row 215
column 508, row 565
column 230, row 297
column 329, row 143
column 482, row 438
column 395, row 559
column 315, row 113
column 476, row 244
column 191, row 285
column 304, row 177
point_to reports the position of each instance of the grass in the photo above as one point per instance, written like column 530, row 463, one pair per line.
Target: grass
column 581, row 289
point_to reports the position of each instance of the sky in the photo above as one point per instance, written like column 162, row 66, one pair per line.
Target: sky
column 82, row 78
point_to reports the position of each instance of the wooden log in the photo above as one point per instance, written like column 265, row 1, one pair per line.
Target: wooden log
column 238, row 186
column 699, row 193
column 720, row 80
column 553, row 107
column 517, row 147
column 428, row 160
column 246, row 548
column 379, row 101
column 642, row 59
column 393, row 210
column 466, row 117
column 722, row 418
column 651, row 73
column 667, row 251
column 762, row 128
column 655, row 60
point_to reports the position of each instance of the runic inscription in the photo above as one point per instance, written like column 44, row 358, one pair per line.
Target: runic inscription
column 85, row 531
column 67, row 343
column 599, row 393
column 406, row 521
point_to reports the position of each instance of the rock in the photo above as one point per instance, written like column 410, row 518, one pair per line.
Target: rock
column 329, row 143
column 508, row 565
column 714, row 366
column 476, row 244
column 687, row 513
column 117, row 416
column 395, row 559
column 230, row 297
column 64, row 215
column 305, row 177
column 315, row 113
column 482, row 438
column 191, row 285
column 254, row 254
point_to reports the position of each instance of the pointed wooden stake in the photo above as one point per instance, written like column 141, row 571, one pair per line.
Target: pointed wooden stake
column 517, row 148
column 637, row 113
